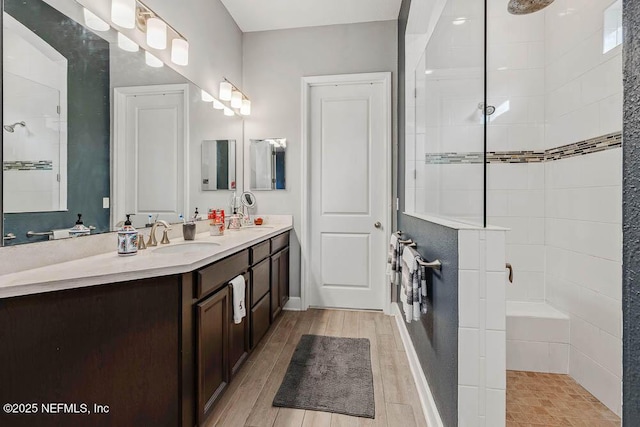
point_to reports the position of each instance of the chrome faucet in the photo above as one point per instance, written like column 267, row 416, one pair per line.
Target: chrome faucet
column 152, row 235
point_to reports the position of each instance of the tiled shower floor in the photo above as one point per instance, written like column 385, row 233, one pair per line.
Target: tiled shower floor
column 536, row 399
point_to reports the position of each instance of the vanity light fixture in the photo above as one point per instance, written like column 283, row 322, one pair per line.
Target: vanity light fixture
column 123, row 13
column 217, row 105
column 92, row 21
column 125, row 43
column 239, row 101
column 152, row 61
column 245, row 110
column 226, row 90
column 156, row 33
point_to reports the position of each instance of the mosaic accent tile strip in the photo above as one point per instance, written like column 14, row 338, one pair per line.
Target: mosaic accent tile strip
column 594, row 145
column 27, row 165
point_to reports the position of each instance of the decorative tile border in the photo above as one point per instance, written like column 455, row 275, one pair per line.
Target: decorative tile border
column 27, row 165
column 594, row 145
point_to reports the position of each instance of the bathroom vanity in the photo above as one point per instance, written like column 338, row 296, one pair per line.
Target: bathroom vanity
column 150, row 338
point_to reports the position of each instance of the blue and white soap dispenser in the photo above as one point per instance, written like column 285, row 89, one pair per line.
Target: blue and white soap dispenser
column 79, row 229
column 127, row 239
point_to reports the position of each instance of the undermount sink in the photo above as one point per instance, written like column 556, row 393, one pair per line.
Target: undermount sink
column 185, row 248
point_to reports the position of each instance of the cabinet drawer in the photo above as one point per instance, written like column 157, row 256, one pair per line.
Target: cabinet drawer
column 279, row 242
column 260, row 280
column 216, row 275
column 260, row 320
column 259, row 252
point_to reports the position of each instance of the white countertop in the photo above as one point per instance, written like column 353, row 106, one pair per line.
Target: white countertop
column 111, row 268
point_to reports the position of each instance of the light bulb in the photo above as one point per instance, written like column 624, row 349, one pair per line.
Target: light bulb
column 245, row 110
column 93, row 22
column 180, row 52
column 236, row 99
column 152, row 61
column 125, row 43
column 156, row 33
column 217, row 105
column 123, row 13
column 229, row 112
column 225, row 91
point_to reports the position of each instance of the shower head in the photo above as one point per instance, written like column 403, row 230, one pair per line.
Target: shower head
column 12, row 128
column 524, row 7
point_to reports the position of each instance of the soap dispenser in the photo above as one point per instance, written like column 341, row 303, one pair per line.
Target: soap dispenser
column 79, row 229
column 127, row 239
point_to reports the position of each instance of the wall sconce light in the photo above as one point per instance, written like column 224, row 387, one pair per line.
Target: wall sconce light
column 125, row 43
column 156, row 33
column 245, row 110
column 152, row 61
column 93, row 22
column 180, row 52
column 236, row 99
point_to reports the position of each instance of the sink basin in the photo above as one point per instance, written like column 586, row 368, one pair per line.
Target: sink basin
column 185, row 248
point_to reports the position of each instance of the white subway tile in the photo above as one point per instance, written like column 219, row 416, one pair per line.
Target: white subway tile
column 527, row 356
column 495, row 251
column 467, row 406
column 468, row 357
column 496, row 301
column 496, row 359
column 469, row 250
column 559, row 358
column 496, row 408
column 468, row 298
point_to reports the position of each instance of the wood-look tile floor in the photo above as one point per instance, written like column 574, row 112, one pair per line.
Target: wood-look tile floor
column 537, row 399
column 247, row 402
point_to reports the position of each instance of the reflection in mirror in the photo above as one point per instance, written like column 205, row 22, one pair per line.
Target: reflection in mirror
column 218, row 165
column 248, row 199
column 268, row 166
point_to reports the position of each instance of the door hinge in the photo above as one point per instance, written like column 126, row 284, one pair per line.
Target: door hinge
column 58, row 177
column 58, row 109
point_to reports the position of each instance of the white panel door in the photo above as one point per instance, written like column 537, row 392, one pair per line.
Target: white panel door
column 348, row 152
column 155, row 156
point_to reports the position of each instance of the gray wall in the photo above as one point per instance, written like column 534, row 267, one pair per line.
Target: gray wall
column 274, row 63
column 435, row 337
column 631, row 216
column 88, row 124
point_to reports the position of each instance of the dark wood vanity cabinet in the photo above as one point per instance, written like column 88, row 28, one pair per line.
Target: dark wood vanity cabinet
column 158, row 351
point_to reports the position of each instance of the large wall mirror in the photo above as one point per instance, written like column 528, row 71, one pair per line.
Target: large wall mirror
column 68, row 140
column 267, row 159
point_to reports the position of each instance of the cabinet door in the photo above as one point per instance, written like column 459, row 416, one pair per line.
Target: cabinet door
column 239, row 334
column 212, row 343
column 275, row 286
column 283, row 277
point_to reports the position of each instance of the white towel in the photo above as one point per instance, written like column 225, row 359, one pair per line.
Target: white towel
column 239, row 310
column 60, row 234
column 392, row 258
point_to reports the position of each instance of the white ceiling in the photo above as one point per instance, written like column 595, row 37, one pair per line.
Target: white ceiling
column 261, row 15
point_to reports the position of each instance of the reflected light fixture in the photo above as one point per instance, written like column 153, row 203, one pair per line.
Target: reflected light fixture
column 228, row 112
column 156, row 33
column 93, row 22
column 217, row 105
column 225, row 91
column 236, row 99
column 206, row 97
column 123, row 13
column 459, row 21
column 125, row 43
column 152, row 61
column 427, row 72
column 180, row 52
column 245, row 110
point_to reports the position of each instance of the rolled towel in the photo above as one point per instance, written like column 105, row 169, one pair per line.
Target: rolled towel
column 239, row 311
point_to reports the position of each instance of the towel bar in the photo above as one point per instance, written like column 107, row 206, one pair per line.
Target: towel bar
column 436, row 265
column 404, row 242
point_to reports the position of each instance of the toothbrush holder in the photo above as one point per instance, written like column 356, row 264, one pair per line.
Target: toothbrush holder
column 189, row 231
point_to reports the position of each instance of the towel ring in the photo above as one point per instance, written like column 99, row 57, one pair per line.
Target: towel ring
column 435, row 265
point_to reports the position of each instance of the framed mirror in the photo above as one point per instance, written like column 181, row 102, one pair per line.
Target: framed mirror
column 267, row 161
column 218, row 167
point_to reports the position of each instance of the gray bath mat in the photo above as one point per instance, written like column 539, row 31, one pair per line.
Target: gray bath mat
column 329, row 374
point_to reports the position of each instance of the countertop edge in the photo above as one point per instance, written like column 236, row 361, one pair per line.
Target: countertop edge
column 41, row 285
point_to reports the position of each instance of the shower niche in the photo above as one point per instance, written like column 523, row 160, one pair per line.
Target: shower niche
column 34, row 126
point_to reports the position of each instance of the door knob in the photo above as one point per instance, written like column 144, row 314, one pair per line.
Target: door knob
column 378, row 224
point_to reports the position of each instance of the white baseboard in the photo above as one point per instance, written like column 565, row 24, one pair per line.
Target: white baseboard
column 294, row 304
column 429, row 407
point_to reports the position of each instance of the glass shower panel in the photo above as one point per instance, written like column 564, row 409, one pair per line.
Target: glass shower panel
column 449, row 117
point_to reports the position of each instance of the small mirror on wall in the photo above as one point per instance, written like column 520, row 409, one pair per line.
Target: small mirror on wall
column 268, row 163
column 219, row 165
